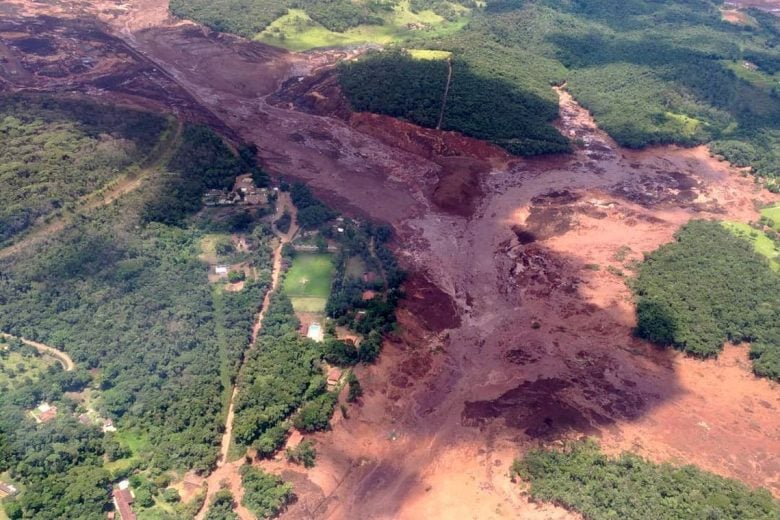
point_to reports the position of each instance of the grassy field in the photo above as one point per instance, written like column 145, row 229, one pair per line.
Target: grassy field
column 297, row 32
column 14, row 367
column 762, row 243
column 427, row 54
column 773, row 213
column 308, row 282
column 136, row 442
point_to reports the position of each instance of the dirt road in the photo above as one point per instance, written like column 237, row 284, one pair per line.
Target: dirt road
column 227, row 473
column 64, row 359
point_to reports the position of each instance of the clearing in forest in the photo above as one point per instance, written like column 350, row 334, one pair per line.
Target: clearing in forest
column 308, row 281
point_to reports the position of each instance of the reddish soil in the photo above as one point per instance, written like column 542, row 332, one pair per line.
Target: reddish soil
column 509, row 336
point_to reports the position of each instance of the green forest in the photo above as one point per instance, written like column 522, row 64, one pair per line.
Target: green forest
column 54, row 151
column 123, row 290
column 708, row 287
column 489, row 108
column 628, row 487
column 651, row 72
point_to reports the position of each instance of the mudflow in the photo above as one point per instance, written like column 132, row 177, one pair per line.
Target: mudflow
column 510, row 338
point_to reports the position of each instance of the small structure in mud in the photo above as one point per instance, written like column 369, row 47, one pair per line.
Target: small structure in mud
column 315, row 332
column 221, row 270
column 334, row 376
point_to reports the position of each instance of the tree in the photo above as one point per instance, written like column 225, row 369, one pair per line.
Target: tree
column 264, row 494
column 304, row 454
column 355, row 390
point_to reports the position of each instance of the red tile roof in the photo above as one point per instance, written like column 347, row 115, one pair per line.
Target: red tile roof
column 122, row 500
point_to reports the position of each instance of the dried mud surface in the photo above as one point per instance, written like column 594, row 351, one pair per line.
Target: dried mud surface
column 514, row 332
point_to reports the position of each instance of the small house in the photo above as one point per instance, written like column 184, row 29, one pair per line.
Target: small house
column 221, row 269
column 45, row 412
column 108, row 426
column 334, row 376
column 123, row 500
column 7, row 490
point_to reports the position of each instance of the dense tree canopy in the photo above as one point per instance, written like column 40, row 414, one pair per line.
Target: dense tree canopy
column 709, row 287
column 631, row 488
column 54, row 151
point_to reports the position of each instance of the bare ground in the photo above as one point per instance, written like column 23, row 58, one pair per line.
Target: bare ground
column 510, row 338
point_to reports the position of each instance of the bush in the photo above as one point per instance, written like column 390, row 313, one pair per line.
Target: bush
column 304, row 454
column 236, row 276
column 265, row 495
column 171, row 496
column 355, row 390
column 315, row 415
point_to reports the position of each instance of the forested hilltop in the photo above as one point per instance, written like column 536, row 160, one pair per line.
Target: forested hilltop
column 652, row 72
column 54, row 151
column 125, row 290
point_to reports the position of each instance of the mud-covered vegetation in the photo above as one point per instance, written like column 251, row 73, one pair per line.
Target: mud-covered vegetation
column 481, row 106
column 54, row 151
column 708, row 287
column 629, row 487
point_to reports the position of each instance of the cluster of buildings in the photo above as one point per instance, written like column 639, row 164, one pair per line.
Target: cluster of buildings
column 244, row 192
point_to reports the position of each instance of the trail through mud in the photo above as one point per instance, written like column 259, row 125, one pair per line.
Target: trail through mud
column 516, row 327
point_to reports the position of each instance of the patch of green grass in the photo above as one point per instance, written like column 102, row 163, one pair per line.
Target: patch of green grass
column 756, row 77
column 308, row 281
column 761, row 243
column 428, row 54
column 772, row 213
column 15, row 368
column 137, row 442
column 296, row 31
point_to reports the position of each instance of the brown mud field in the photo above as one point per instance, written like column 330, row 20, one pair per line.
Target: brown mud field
column 516, row 328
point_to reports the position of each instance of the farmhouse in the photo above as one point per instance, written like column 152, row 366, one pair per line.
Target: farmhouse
column 7, row 490
column 44, row 412
column 123, row 499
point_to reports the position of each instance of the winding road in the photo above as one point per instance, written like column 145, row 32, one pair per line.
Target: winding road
column 64, row 359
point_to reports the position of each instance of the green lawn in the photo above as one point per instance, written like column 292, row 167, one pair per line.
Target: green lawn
column 427, row 54
column 136, row 441
column 15, row 368
column 762, row 243
column 773, row 213
column 308, row 281
column 297, row 32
